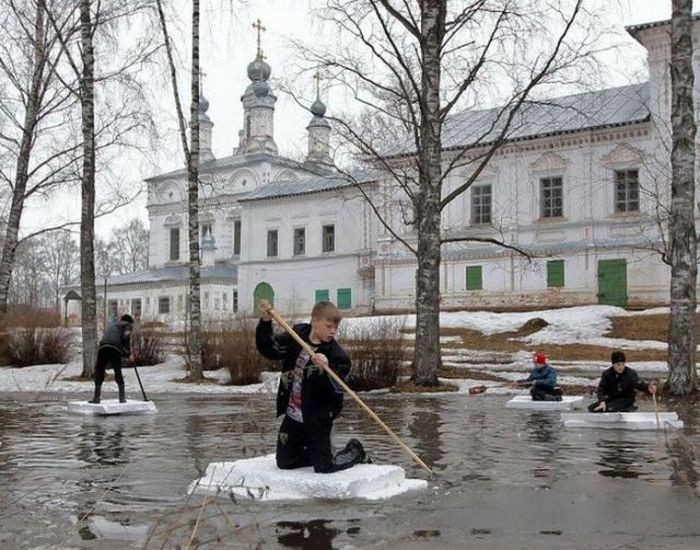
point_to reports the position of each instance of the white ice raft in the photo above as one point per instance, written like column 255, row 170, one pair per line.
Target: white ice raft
column 260, row 478
column 622, row 420
column 567, row 403
column 112, row 406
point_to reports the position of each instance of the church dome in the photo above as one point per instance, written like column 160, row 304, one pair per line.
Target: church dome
column 318, row 108
column 203, row 104
column 258, row 69
column 260, row 88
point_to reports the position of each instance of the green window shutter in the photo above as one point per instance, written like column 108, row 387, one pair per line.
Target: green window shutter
column 555, row 273
column 344, row 298
column 474, row 277
column 321, row 296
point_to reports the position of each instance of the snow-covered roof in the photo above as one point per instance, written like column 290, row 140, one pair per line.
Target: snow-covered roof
column 567, row 114
column 174, row 273
column 307, row 185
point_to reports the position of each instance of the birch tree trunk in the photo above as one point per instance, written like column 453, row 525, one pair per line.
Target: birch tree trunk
column 195, row 343
column 22, row 171
column 87, row 217
column 683, row 237
column 426, row 355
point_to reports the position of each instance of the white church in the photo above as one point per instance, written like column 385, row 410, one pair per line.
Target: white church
column 578, row 185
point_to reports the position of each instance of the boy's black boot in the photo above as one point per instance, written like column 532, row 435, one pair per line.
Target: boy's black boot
column 122, row 394
column 96, row 396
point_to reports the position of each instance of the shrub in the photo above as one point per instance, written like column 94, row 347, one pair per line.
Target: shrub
column 151, row 349
column 38, row 346
column 238, row 354
column 231, row 345
column 377, row 349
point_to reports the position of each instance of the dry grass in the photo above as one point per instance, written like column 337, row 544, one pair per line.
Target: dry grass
column 646, row 327
column 409, row 386
column 641, row 327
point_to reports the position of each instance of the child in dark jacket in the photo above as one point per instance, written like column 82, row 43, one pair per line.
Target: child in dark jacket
column 542, row 379
column 307, row 397
column 616, row 390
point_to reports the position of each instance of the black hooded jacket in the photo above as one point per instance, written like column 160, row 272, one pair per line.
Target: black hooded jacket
column 616, row 386
column 118, row 337
column 320, row 398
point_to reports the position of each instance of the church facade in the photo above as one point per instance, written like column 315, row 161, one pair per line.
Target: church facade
column 580, row 186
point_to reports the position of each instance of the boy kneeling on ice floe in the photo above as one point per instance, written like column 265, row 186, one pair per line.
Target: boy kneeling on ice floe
column 307, row 397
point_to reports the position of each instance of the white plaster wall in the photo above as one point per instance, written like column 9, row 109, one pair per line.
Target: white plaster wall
column 296, row 278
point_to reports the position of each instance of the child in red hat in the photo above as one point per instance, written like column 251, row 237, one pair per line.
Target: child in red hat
column 542, row 380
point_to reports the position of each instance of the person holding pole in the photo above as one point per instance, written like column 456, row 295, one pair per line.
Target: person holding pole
column 115, row 344
column 307, row 397
column 616, row 389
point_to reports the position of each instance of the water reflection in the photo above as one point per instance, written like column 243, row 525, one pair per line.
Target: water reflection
column 544, row 429
column 425, row 428
column 682, row 461
column 102, row 444
column 620, row 457
column 314, row 535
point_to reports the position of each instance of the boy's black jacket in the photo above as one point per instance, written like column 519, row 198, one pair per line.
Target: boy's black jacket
column 320, row 398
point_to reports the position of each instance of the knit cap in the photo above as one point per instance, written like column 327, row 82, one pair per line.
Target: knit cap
column 540, row 358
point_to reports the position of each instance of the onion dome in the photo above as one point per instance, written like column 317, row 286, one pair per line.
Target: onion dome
column 258, row 69
column 318, row 108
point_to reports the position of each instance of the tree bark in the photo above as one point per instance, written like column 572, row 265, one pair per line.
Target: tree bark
column 683, row 237
column 26, row 144
column 426, row 356
column 87, row 217
column 195, row 343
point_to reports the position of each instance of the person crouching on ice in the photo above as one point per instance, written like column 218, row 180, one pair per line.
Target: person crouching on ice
column 307, row 396
column 616, row 390
column 542, row 379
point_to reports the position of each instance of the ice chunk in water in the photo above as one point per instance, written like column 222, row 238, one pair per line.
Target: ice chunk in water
column 260, row 478
column 112, row 406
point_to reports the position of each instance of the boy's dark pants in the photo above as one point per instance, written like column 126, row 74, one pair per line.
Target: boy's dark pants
column 622, row 404
column 309, row 444
column 108, row 356
column 540, row 392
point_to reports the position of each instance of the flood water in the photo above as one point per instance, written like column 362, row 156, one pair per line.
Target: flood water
column 504, row 478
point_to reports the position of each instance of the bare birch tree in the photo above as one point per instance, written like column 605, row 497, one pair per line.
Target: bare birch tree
column 29, row 54
column 682, row 233
column 191, row 153
column 121, row 117
column 411, row 64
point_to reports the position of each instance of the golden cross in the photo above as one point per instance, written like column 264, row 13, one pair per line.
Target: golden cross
column 259, row 26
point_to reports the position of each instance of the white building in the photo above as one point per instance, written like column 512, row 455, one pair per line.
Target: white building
column 578, row 185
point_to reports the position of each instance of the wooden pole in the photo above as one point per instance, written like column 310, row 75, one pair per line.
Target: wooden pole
column 656, row 410
column 281, row 322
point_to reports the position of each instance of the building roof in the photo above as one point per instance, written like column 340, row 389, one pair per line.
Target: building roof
column 308, row 184
column 634, row 29
column 233, row 161
column 174, row 273
column 573, row 113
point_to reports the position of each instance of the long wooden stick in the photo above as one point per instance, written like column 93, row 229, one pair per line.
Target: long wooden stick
column 281, row 322
column 656, row 410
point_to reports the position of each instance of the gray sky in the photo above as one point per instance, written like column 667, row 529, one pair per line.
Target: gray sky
column 229, row 44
